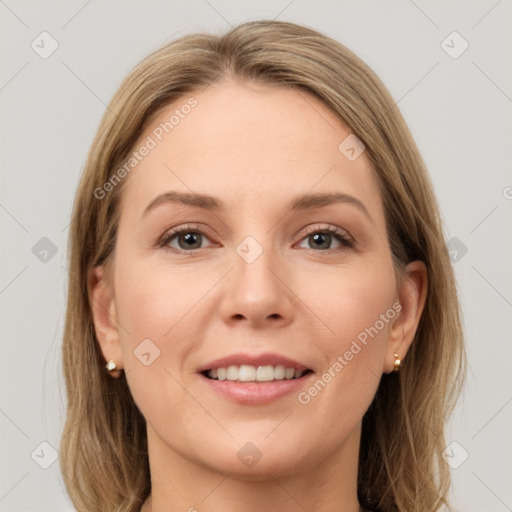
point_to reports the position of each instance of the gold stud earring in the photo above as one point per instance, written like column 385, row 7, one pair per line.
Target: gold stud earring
column 111, row 365
column 398, row 362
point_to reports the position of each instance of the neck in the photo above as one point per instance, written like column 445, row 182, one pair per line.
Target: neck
column 181, row 484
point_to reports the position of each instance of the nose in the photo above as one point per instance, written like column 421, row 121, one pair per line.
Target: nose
column 258, row 293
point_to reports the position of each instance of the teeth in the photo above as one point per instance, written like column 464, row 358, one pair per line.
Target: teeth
column 289, row 373
column 232, row 373
column 248, row 373
column 279, row 372
column 265, row 373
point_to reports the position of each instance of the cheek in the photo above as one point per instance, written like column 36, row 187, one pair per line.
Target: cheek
column 354, row 305
column 153, row 302
column 154, row 310
column 359, row 311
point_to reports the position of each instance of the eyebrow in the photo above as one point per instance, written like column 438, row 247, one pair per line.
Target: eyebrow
column 299, row 203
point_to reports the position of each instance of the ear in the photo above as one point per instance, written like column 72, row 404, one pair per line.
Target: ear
column 412, row 294
column 101, row 299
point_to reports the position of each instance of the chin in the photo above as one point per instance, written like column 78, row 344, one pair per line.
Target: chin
column 257, row 460
column 268, row 466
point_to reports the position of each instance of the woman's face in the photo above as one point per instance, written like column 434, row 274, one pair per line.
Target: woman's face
column 284, row 266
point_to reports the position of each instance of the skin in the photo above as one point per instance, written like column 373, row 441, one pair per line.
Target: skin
column 254, row 147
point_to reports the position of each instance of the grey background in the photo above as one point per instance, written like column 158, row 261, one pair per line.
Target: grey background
column 458, row 109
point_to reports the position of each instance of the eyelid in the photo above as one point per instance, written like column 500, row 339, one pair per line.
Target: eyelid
column 342, row 233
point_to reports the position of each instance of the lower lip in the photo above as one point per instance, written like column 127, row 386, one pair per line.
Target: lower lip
column 255, row 393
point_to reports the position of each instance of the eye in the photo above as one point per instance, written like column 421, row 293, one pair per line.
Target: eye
column 187, row 238
column 322, row 238
column 190, row 237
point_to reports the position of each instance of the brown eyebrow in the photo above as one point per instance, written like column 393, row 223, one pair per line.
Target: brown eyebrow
column 299, row 203
column 318, row 200
column 191, row 199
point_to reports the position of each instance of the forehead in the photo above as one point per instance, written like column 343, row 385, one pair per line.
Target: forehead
column 250, row 144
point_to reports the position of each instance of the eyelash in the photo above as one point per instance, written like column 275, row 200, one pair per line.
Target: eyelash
column 345, row 240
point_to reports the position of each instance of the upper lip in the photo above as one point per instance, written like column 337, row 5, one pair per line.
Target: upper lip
column 266, row 359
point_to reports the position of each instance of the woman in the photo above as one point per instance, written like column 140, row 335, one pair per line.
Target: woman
column 262, row 314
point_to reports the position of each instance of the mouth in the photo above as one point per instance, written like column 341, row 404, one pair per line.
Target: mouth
column 254, row 379
column 250, row 373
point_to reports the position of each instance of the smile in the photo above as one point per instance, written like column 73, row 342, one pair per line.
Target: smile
column 249, row 373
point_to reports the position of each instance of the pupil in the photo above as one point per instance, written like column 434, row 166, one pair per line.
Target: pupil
column 319, row 237
column 190, row 239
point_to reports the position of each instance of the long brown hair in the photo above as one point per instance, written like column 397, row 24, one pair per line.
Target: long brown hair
column 104, row 456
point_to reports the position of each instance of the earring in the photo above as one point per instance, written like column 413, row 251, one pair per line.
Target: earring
column 111, row 365
column 398, row 362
